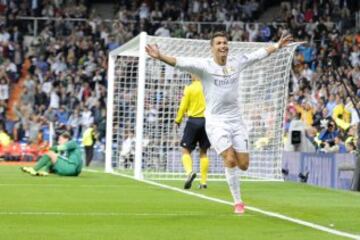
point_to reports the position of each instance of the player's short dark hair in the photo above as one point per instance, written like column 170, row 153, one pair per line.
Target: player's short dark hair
column 66, row 135
column 217, row 34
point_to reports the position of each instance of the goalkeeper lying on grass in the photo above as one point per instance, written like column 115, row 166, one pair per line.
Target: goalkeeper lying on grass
column 64, row 159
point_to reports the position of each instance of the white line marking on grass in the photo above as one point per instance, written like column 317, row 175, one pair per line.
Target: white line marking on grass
column 254, row 209
column 44, row 184
column 110, row 214
column 90, row 170
column 221, row 180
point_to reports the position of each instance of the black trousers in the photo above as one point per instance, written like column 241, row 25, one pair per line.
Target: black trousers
column 89, row 153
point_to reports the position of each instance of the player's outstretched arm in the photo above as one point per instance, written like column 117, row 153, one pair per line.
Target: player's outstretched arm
column 263, row 52
column 283, row 42
column 154, row 52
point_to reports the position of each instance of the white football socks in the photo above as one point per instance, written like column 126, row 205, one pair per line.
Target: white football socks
column 232, row 178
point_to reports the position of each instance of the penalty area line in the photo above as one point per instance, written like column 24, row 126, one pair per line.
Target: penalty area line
column 254, row 209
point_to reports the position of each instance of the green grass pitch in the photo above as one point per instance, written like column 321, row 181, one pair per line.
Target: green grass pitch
column 103, row 206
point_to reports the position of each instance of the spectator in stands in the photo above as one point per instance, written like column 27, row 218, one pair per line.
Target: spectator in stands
column 41, row 99
column 16, row 36
column 3, row 110
column 11, row 70
column 355, row 56
column 156, row 13
column 306, row 111
column 323, row 119
column 331, row 104
column 127, row 152
column 33, row 129
column 252, row 30
column 74, row 123
column 62, row 116
column 54, row 98
column 4, row 35
column 163, row 31
column 336, row 146
column 351, row 148
column 144, row 11
column 112, row 44
column 307, row 73
column 354, row 114
column 5, row 139
column 28, row 97
column 328, row 134
column 4, row 90
column 86, row 119
column 237, row 33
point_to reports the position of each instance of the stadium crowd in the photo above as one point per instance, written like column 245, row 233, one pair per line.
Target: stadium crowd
column 62, row 71
column 324, row 69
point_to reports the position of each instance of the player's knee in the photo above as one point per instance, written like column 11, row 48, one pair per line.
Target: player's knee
column 230, row 162
column 203, row 152
column 186, row 151
column 243, row 161
column 229, row 157
column 244, row 165
column 52, row 155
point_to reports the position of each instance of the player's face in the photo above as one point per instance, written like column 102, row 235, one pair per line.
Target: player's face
column 62, row 140
column 220, row 47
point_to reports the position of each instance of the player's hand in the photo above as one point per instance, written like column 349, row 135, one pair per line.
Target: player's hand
column 53, row 148
column 153, row 50
column 285, row 39
column 177, row 126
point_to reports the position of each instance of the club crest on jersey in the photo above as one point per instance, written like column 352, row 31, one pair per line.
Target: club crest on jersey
column 228, row 70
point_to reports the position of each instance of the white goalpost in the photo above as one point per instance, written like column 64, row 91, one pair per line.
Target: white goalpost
column 144, row 96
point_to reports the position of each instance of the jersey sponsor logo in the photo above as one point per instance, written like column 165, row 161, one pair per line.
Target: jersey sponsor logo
column 225, row 81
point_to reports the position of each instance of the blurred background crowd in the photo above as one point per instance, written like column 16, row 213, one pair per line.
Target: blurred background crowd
column 54, row 69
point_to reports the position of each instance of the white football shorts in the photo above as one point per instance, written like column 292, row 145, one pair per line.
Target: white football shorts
column 225, row 133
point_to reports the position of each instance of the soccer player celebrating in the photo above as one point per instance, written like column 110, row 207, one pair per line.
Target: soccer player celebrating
column 64, row 159
column 224, row 124
column 193, row 104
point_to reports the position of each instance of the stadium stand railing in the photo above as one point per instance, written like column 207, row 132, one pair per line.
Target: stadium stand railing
column 35, row 23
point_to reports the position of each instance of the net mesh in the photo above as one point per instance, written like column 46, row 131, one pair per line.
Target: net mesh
column 124, row 111
column 263, row 92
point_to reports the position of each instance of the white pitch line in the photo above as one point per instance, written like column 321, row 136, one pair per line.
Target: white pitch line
column 222, row 180
column 254, row 209
column 110, row 214
column 61, row 185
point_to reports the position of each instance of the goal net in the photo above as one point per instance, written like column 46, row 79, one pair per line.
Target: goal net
column 144, row 96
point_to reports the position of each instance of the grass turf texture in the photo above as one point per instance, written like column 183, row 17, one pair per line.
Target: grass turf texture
column 101, row 206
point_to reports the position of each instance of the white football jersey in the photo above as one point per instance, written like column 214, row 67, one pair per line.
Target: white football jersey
column 220, row 83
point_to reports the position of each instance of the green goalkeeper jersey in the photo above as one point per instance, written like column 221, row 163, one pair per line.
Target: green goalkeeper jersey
column 71, row 153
